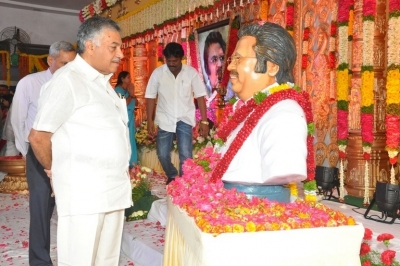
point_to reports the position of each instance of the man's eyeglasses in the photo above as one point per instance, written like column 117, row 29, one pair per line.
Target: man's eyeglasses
column 236, row 59
column 214, row 59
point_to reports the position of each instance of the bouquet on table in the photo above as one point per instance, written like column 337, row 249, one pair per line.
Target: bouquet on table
column 143, row 139
column 141, row 193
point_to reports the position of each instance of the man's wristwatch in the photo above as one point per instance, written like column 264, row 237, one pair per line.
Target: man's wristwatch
column 204, row 122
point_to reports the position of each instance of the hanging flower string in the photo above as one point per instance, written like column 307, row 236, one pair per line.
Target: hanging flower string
column 290, row 16
column 343, row 81
column 253, row 110
column 232, row 40
column 192, row 51
column 367, row 89
column 393, row 87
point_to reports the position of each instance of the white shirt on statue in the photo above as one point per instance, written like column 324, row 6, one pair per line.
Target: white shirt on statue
column 90, row 142
column 274, row 150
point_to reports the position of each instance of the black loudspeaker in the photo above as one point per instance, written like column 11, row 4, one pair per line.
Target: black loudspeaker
column 387, row 199
column 327, row 179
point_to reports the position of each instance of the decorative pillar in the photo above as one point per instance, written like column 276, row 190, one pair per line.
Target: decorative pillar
column 367, row 165
column 140, row 74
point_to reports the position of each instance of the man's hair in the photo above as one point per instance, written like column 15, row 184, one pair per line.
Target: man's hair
column 56, row 47
column 173, row 49
column 274, row 44
column 91, row 30
column 212, row 37
column 121, row 76
column 4, row 86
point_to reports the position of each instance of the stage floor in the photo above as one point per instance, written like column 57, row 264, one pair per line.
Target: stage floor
column 143, row 241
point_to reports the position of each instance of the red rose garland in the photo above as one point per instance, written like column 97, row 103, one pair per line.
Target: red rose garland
column 240, row 115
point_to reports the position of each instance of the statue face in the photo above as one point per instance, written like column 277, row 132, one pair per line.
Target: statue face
column 245, row 82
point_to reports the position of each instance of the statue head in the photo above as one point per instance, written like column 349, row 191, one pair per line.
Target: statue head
column 264, row 54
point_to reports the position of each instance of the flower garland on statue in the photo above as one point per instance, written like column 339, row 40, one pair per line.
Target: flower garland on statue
column 344, row 22
column 393, row 87
column 253, row 110
column 218, row 210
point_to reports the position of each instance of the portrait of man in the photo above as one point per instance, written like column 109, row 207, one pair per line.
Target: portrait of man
column 212, row 48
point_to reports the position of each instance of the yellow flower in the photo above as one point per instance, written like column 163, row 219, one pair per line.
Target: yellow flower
column 343, row 85
column 281, row 87
column 293, row 189
column 392, row 87
column 250, row 227
column 367, row 88
column 238, row 228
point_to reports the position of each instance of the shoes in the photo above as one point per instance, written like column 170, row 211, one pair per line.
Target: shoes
column 169, row 180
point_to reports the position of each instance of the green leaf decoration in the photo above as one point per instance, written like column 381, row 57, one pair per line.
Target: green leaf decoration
column 259, row 97
column 310, row 128
column 310, row 185
column 367, row 109
column 343, row 105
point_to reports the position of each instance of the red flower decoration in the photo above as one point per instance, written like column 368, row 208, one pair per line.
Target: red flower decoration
column 342, row 155
column 393, row 160
column 81, row 19
column 367, row 156
column 290, row 16
column 367, row 263
column 304, row 61
column 306, row 34
column 333, row 29
column 365, row 249
column 332, row 60
column 367, row 234
column 342, row 124
column 343, row 10
column 385, row 237
column 387, row 257
column 394, row 5
column 392, row 130
column 369, row 8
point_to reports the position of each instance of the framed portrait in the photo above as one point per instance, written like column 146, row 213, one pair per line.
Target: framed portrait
column 212, row 45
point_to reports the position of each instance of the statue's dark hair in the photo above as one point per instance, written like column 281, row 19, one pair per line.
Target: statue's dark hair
column 173, row 49
column 212, row 37
column 91, row 29
column 274, row 44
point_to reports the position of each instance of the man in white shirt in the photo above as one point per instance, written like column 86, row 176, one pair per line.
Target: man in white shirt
column 23, row 112
column 175, row 85
column 78, row 110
